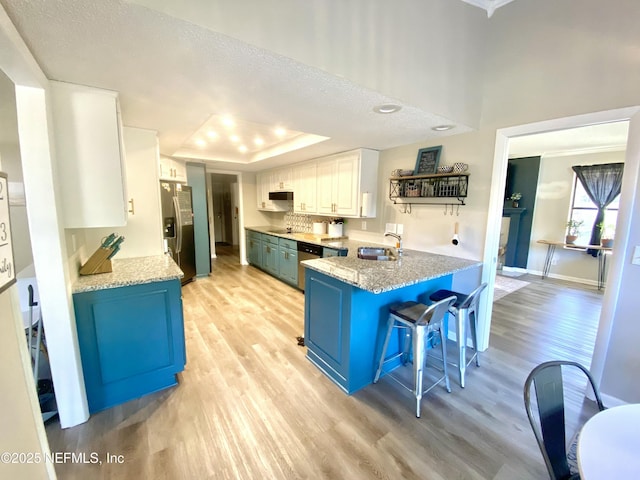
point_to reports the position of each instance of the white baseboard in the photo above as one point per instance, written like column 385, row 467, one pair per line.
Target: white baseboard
column 566, row 278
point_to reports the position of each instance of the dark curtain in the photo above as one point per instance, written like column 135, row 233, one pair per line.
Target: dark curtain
column 602, row 183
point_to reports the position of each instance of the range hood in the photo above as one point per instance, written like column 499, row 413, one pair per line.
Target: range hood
column 280, row 195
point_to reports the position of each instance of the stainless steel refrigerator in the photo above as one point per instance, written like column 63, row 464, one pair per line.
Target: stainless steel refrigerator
column 177, row 216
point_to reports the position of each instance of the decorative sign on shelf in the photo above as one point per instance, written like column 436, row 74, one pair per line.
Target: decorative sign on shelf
column 427, row 161
column 7, row 273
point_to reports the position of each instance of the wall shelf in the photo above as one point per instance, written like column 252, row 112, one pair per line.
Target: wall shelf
column 435, row 189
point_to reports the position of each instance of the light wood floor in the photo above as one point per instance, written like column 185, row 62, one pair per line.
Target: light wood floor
column 251, row 406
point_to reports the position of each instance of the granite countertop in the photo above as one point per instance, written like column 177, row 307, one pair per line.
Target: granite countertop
column 130, row 271
column 383, row 276
column 319, row 239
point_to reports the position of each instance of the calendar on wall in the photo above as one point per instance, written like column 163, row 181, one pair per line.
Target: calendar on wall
column 7, row 272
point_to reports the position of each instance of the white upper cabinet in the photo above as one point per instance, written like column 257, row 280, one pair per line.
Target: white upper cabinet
column 347, row 184
column 341, row 185
column 172, row 169
column 89, row 156
column 264, row 185
column 281, row 180
column 305, row 187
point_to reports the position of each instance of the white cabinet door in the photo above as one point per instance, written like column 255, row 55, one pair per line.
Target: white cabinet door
column 172, row 169
column 326, row 174
column 343, row 179
column 90, row 157
column 179, row 171
column 264, row 185
column 305, row 187
column 281, row 180
column 346, row 192
column 143, row 232
column 261, row 179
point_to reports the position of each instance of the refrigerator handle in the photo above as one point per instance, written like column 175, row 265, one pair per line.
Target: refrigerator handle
column 176, row 206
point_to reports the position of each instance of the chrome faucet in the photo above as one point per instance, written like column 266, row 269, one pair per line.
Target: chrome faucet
column 398, row 243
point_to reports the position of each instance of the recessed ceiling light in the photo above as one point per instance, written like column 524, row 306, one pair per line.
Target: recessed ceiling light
column 243, row 148
column 442, row 128
column 280, row 132
column 234, row 138
column 228, row 122
column 387, row 108
column 258, row 141
column 212, row 134
column 200, row 142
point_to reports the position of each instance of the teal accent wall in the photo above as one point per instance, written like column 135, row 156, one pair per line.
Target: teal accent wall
column 196, row 179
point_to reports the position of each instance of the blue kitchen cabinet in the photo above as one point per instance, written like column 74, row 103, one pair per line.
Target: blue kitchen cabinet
column 288, row 261
column 344, row 326
column 270, row 254
column 131, row 341
column 254, row 248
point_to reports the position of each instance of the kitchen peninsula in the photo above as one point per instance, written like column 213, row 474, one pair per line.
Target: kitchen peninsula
column 130, row 329
column 346, row 307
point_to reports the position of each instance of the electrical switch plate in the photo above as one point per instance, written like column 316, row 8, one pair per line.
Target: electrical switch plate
column 399, row 228
column 364, row 225
column 390, row 228
column 636, row 255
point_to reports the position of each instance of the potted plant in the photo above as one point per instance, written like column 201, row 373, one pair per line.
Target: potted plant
column 515, row 199
column 573, row 229
column 606, row 234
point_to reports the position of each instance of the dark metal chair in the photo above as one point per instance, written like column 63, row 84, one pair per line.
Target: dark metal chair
column 549, row 430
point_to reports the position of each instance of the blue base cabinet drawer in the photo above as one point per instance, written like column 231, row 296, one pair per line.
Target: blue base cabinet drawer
column 131, row 341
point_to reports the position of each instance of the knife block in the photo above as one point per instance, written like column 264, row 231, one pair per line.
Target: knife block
column 98, row 262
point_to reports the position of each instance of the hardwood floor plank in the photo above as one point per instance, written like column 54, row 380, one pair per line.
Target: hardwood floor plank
column 250, row 405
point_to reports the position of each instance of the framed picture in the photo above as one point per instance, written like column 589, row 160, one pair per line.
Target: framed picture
column 7, row 273
column 427, row 161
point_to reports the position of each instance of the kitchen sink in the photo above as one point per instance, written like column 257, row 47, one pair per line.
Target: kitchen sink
column 377, row 253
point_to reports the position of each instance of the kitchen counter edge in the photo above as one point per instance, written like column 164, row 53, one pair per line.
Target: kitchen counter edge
column 384, row 276
column 130, row 271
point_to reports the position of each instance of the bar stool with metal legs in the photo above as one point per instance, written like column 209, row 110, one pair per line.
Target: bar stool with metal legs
column 421, row 322
column 464, row 309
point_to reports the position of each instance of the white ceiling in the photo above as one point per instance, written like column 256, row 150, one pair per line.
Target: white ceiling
column 180, row 79
column 606, row 137
column 173, row 76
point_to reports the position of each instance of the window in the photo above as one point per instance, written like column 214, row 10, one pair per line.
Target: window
column 582, row 208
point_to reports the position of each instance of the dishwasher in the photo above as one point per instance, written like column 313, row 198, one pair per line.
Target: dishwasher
column 306, row 251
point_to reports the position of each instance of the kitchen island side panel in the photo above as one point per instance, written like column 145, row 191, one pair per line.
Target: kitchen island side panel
column 345, row 325
column 131, row 341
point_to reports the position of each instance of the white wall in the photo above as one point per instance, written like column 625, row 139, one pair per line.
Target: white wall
column 553, row 201
column 21, row 427
column 557, row 59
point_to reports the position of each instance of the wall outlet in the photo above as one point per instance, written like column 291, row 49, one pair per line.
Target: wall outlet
column 636, row 255
column 364, row 224
column 390, row 228
column 399, row 228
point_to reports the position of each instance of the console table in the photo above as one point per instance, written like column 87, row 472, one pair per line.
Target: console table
column 602, row 256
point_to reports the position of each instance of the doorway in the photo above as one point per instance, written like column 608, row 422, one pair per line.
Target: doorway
column 503, row 137
column 224, row 223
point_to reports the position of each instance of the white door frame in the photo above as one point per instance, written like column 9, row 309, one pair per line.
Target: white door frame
column 241, row 238
column 496, row 200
